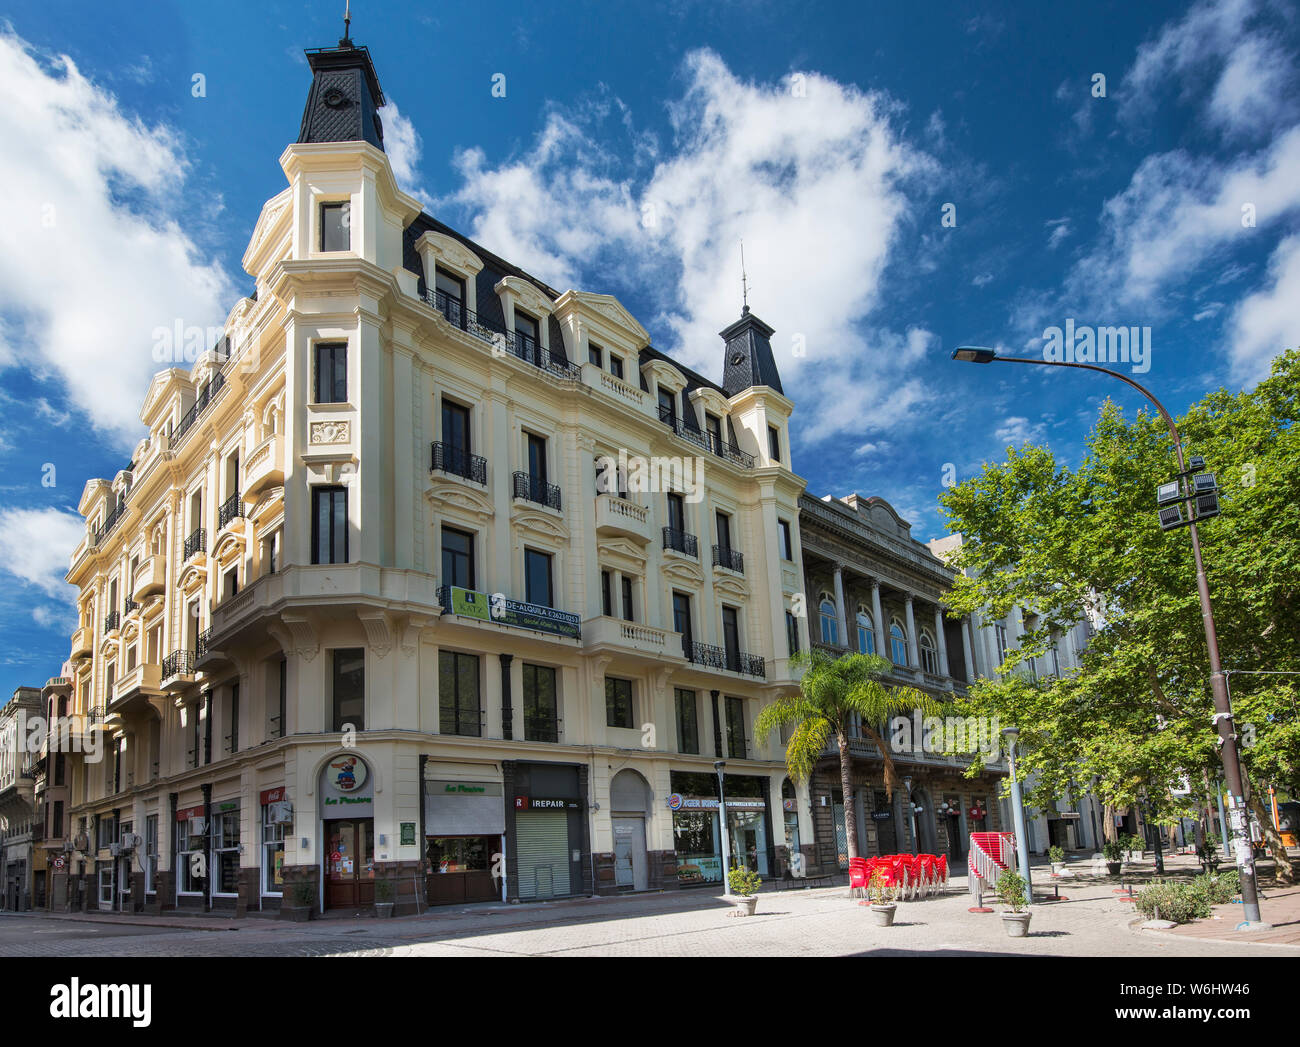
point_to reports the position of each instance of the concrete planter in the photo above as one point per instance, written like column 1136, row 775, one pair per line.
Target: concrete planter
column 1058, row 868
column 884, row 914
column 383, row 910
column 1114, row 868
column 296, row 915
column 1016, row 924
column 744, row 905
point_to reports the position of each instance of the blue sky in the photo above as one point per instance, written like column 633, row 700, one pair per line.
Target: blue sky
column 633, row 149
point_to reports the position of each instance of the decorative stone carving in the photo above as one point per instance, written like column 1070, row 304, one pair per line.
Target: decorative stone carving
column 337, row 431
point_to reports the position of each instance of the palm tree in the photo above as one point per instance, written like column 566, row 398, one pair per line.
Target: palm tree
column 831, row 692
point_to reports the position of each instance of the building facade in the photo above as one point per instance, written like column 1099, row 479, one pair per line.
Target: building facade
column 18, row 821
column 873, row 589
column 427, row 579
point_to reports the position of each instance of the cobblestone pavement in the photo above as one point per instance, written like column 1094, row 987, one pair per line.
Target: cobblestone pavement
column 816, row 922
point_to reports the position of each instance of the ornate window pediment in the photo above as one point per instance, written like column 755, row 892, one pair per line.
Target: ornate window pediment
column 620, row 552
column 683, row 570
column 460, row 497
column 192, row 578
column 545, row 525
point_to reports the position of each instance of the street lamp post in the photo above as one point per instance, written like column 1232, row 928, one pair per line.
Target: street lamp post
column 911, row 814
column 720, row 766
column 1218, row 682
column 1018, row 812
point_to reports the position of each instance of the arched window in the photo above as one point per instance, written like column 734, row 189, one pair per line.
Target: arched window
column 866, row 634
column 897, row 644
column 929, row 658
column 830, row 623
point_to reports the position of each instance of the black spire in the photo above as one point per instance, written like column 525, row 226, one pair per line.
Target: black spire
column 749, row 360
column 345, row 96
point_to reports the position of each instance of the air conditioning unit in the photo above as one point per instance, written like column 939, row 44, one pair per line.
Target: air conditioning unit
column 81, row 842
column 281, row 813
column 115, row 849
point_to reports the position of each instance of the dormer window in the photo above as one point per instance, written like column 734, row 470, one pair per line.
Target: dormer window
column 596, row 354
column 616, row 366
column 713, row 426
column 450, row 297
column 774, row 443
column 667, row 408
column 335, row 227
column 526, row 334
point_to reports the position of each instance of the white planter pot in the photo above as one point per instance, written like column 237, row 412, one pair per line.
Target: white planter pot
column 1016, row 924
column 744, row 906
column 1058, row 867
column 884, row 914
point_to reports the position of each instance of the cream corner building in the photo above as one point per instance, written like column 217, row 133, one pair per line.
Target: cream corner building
column 369, row 607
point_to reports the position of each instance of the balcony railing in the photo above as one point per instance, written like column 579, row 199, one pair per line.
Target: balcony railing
column 494, row 333
column 111, row 621
column 542, row 728
column 129, row 605
column 95, row 714
column 535, row 489
column 677, row 424
column 110, row 521
column 178, row 663
column 231, row 509
column 456, row 461
column 730, row 452
column 204, row 641
column 206, row 395
column 681, row 542
column 197, row 542
column 725, row 556
column 716, row 658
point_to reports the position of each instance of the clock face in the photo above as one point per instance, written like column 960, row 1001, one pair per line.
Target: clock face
column 737, row 359
column 334, row 98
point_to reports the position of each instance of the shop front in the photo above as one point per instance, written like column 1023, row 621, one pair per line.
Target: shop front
column 696, row 835
column 546, row 831
column 464, row 822
column 347, row 813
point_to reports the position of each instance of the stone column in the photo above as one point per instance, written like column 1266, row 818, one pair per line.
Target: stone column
column 877, row 621
column 839, row 603
column 913, row 656
column 966, row 649
column 941, row 641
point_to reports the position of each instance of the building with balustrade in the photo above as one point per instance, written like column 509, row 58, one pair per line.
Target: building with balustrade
column 428, row 582
column 18, row 769
column 874, row 589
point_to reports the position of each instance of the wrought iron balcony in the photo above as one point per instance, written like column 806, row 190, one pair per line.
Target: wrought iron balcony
column 111, row 621
column 206, row 395
column 716, row 658
column 178, row 663
column 535, row 489
column 730, row 451
column 129, row 605
column 494, row 333
column 204, row 641
column 725, row 556
column 110, row 521
column 197, row 542
column 678, row 425
column 681, row 541
column 456, row 461
column 231, row 509
column 95, row 714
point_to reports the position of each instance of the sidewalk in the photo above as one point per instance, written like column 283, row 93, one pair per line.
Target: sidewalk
column 1279, row 906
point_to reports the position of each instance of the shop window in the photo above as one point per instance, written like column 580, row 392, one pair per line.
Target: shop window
column 272, row 854
column 225, row 852
column 618, row 703
column 190, row 840
column 151, row 854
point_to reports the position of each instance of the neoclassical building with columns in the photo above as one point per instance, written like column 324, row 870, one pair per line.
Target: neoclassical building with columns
column 428, row 582
column 872, row 588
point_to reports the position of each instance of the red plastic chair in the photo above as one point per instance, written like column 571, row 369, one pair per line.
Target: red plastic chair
column 859, row 875
column 943, row 872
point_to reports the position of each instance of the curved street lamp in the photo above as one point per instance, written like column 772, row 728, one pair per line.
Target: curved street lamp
column 1218, row 682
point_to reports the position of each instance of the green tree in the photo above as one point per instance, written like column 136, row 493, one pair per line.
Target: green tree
column 1071, row 544
column 832, row 692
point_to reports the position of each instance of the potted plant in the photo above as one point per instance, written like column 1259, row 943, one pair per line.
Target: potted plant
column 1113, row 853
column 1056, row 855
column 383, row 898
column 304, row 900
column 1011, row 893
column 1133, row 847
column 1207, row 853
column 882, row 896
column 744, row 886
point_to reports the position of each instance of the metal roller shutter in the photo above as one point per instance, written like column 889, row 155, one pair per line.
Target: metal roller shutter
column 542, row 843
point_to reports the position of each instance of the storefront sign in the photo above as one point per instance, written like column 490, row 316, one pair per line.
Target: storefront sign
column 408, row 833
column 677, row 802
column 503, row 611
column 269, row 796
column 347, row 774
column 442, row 788
column 788, row 805
column 532, row 803
column 344, row 791
column 881, row 816
column 184, row 814
column 227, row 806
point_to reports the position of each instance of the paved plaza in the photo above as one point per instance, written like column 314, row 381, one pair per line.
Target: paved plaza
column 808, row 922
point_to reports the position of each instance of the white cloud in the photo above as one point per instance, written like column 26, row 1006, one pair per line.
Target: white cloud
column 1060, row 229
column 93, row 252
column 1015, row 431
column 35, row 544
column 1264, row 323
column 1208, row 311
column 813, row 182
column 983, row 278
column 403, row 145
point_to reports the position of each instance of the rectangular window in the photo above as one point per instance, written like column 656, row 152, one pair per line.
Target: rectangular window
column 450, row 297
column 455, row 428
column 606, row 600
column 1000, row 632
column 225, row 852
column 618, row 703
column 616, row 365
column 792, row 632
column 628, row 615
column 151, row 854
column 232, row 721
column 724, row 531
column 458, row 694
column 335, row 227
column 537, row 460
column 676, row 512
column 231, row 586
column 713, row 426
column 350, row 688
column 457, row 558
column 332, row 372
column 682, row 623
column 787, row 550
column 526, row 333
column 282, row 688
column 736, row 728
column 537, row 578
column 190, row 839
column 56, row 830
column 731, row 638
column 541, row 711
column 595, row 354
column 667, row 407
column 272, row 854
column 688, row 721
column 329, row 525
column 774, row 443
